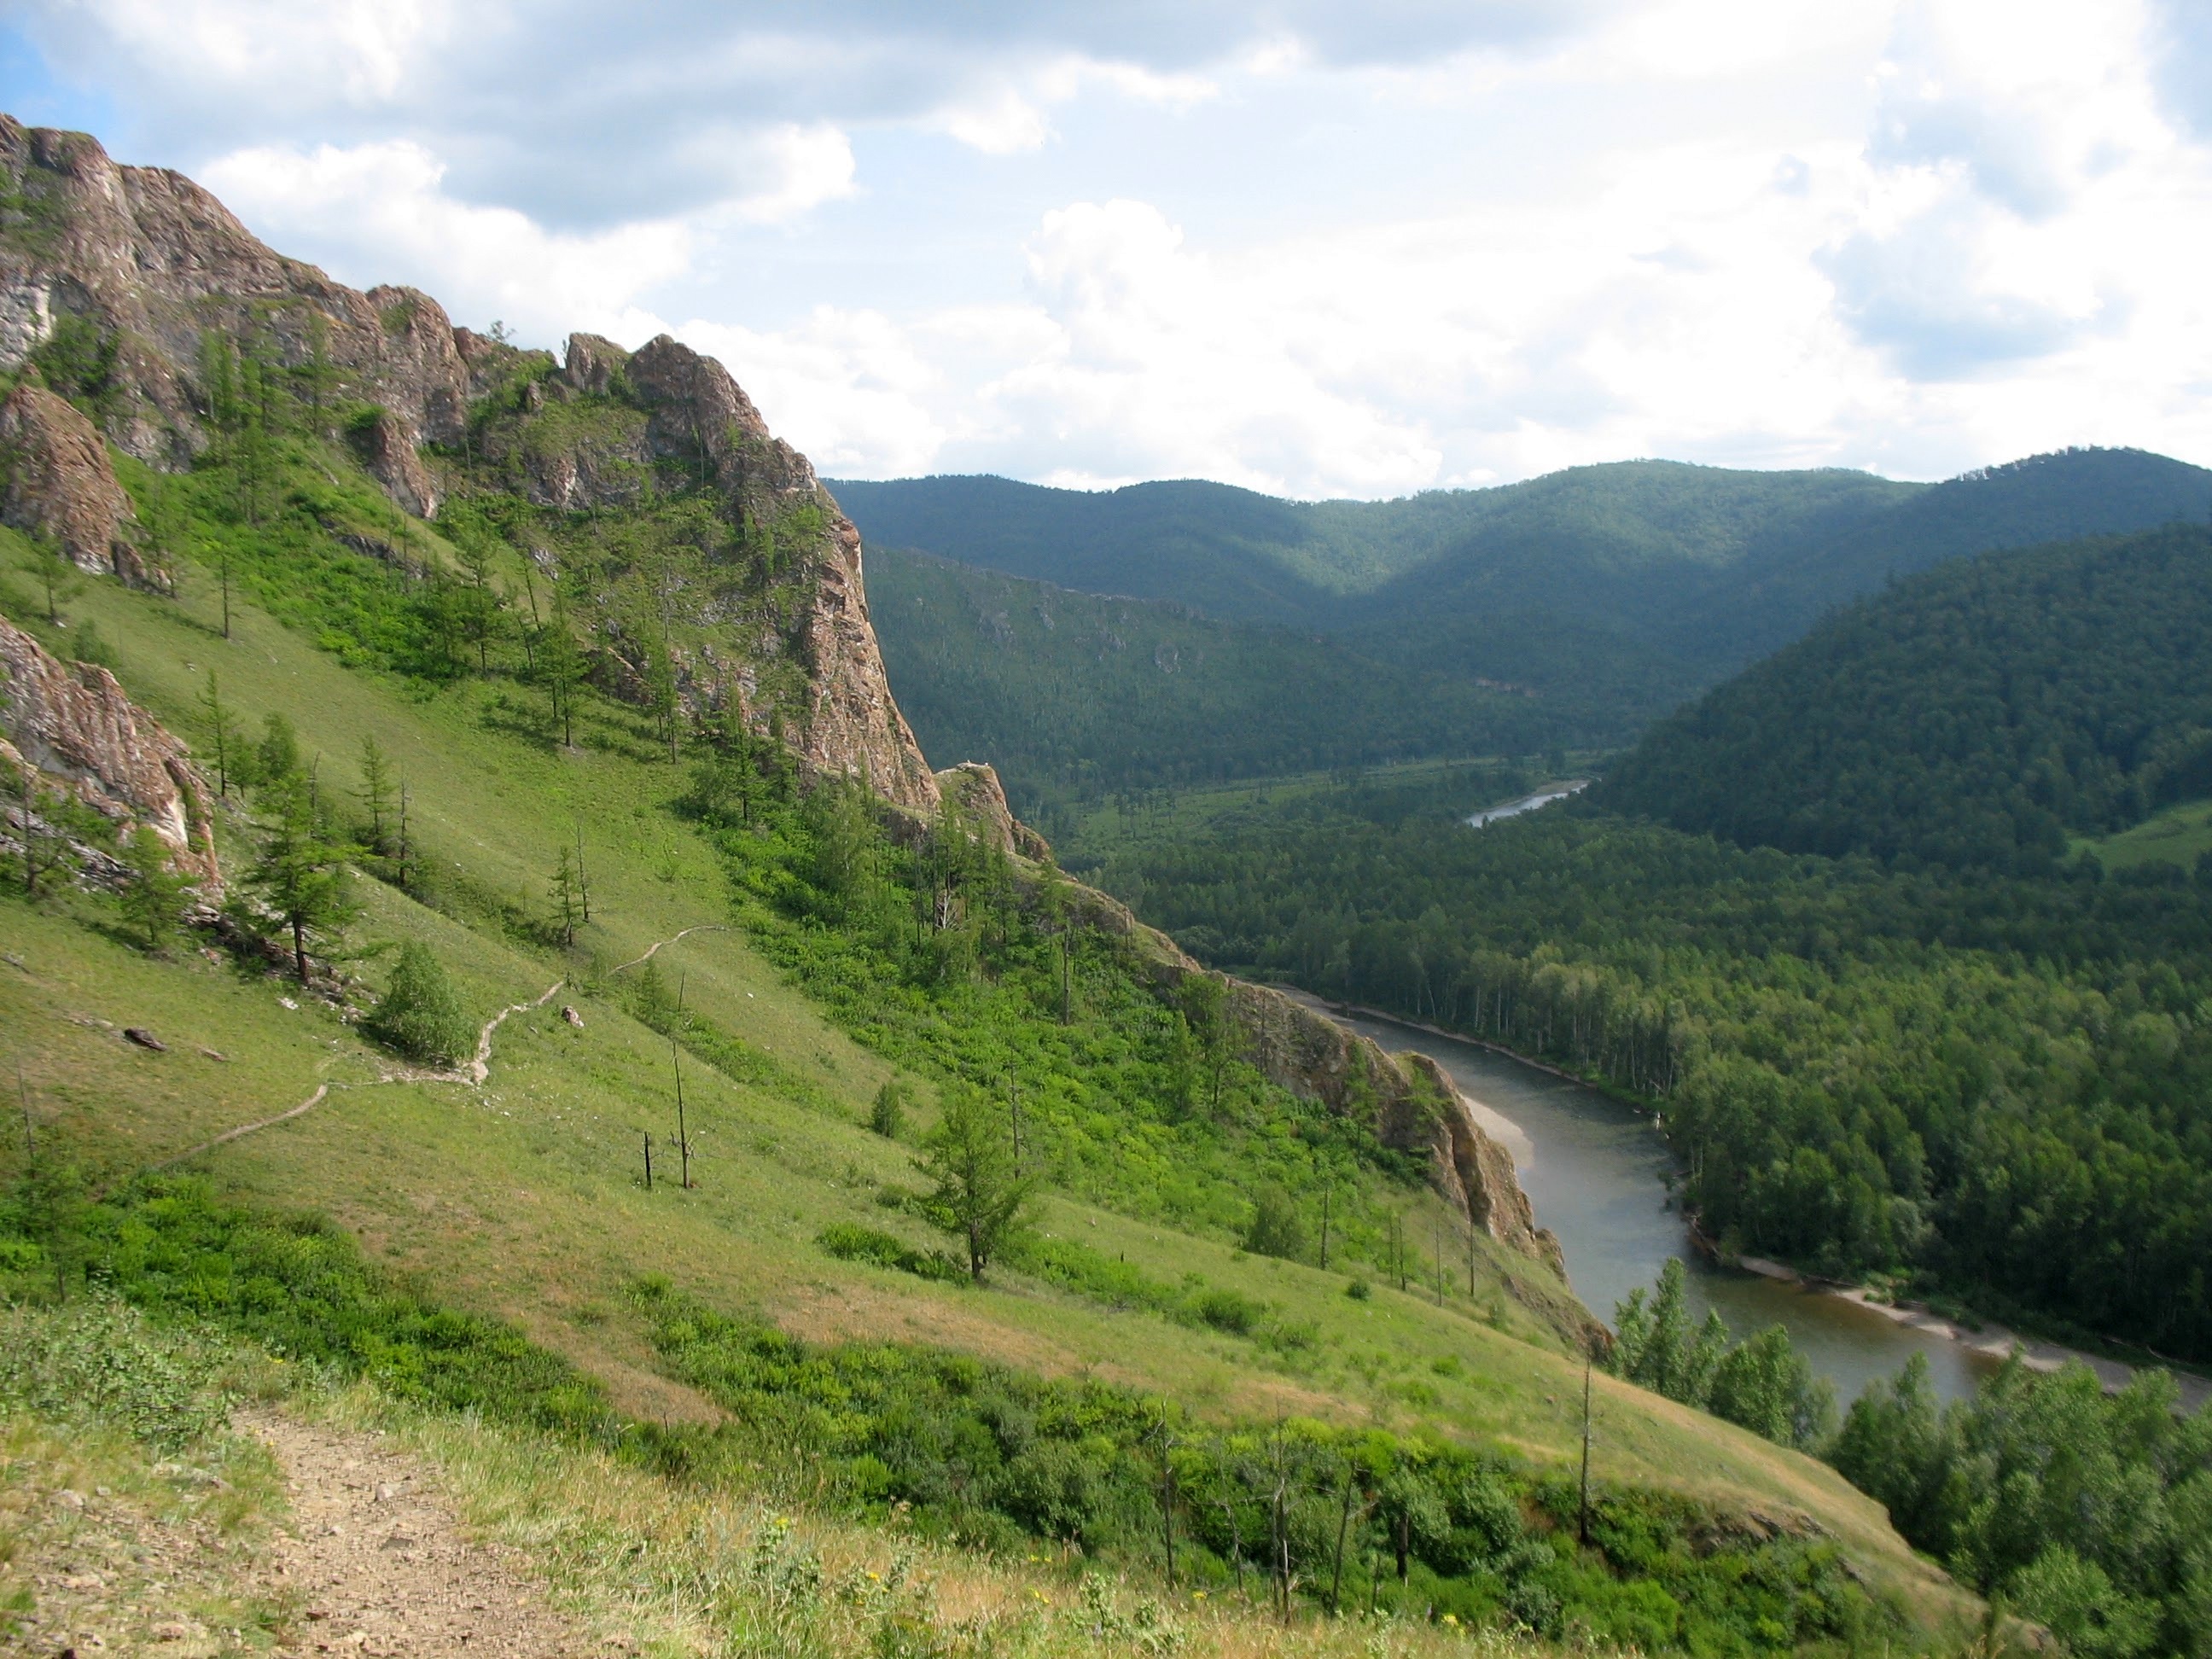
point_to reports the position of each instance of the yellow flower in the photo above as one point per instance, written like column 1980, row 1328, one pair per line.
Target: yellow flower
column 1451, row 1619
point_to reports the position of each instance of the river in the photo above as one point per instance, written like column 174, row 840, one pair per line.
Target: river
column 1544, row 797
column 1597, row 1173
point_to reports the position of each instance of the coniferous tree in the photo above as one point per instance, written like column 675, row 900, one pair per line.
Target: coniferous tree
column 420, row 1013
column 887, row 1117
column 58, row 576
column 153, row 901
column 980, row 1193
column 478, row 605
column 222, row 733
column 567, row 908
column 561, row 665
column 277, row 756
column 300, row 870
column 376, row 791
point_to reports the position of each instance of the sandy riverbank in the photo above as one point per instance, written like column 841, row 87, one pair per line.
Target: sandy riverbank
column 1989, row 1343
column 1997, row 1342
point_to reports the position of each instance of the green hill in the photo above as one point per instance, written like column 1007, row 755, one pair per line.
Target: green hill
column 1978, row 712
column 1071, row 695
column 1610, row 593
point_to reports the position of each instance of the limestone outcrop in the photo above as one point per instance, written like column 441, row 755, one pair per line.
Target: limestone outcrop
column 73, row 724
column 56, row 481
column 388, row 451
column 154, row 262
column 854, row 724
column 1410, row 1101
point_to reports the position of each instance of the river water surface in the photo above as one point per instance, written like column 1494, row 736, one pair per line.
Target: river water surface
column 1597, row 1174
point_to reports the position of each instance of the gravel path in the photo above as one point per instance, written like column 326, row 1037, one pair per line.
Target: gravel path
column 378, row 1564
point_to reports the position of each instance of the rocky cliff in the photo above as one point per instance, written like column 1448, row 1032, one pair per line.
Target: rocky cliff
column 974, row 788
column 116, row 279
column 73, row 724
column 56, row 481
column 1410, row 1101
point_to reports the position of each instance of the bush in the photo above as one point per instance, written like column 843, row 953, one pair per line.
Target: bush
column 849, row 1242
column 1275, row 1228
column 421, row 1014
column 101, row 1362
column 1227, row 1310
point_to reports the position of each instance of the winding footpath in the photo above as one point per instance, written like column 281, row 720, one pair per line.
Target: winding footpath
column 701, row 928
column 471, row 1075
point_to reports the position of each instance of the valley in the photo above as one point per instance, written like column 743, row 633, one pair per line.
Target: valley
column 493, row 973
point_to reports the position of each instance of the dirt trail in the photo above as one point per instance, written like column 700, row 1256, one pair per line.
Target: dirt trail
column 377, row 1562
column 655, row 950
column 472, row 1072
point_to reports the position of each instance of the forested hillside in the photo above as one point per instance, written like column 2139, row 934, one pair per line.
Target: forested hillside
column 1976, row 715
column 1610, row 593
column 1979, row 1082
column 1069, row 695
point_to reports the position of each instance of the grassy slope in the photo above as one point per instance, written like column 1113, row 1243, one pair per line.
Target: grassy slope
column 522, row 1200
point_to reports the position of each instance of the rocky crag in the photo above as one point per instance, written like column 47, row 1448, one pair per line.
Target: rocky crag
column 73, row 725
column 58, row 484
column 122, row 276
column 135, row 285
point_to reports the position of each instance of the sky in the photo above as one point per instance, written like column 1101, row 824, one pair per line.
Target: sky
column 1314, row 249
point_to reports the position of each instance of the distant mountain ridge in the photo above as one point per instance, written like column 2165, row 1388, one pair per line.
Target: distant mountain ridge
column 1625, row 588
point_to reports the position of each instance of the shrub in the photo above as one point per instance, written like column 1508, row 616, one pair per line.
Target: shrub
column 421, row 1014
column 101, row 1362
column 887, row 1117
column 1228, row 1310
column 1275, row 1228
column 849, row 1242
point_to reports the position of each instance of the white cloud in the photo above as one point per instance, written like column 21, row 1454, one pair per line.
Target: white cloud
column 359, row 52
column 1290, row 245
column 378, row 212
column 1005, row 124
column 794, row 169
